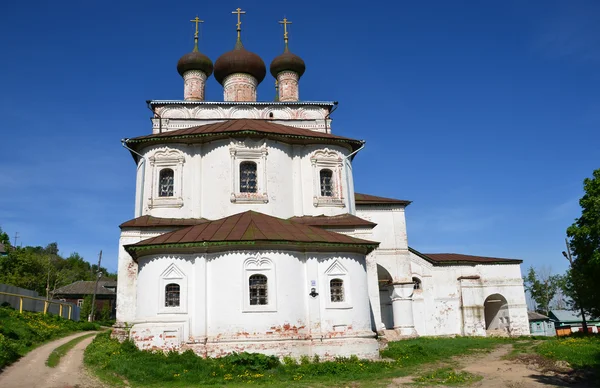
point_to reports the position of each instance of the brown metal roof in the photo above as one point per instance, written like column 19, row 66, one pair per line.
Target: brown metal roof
column 150, row 221
column 246, row 127
column 458, row 259
column 251, row 228
column 341, row 221
column 83, row 287
column 366, row 199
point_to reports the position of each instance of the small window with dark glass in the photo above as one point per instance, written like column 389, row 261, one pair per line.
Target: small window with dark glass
column 165, row 185
column 248, row 177
column 326, row 183
column 416, row 283
column 336, row 288
column 172, row 295
column 258, row 290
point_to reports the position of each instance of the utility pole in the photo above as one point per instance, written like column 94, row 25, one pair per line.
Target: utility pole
column 98, row 274
column 568, row 256
column 15, row 240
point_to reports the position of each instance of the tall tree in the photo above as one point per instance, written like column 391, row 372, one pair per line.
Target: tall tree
column 4, row 239
column 584, row 234
column 543, row 287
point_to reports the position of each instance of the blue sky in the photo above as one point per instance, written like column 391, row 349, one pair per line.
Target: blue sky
column 485, row 114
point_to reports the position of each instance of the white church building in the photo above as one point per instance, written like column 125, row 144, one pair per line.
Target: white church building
column 248, row 234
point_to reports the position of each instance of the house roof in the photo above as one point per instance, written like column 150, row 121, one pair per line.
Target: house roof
column 246, row 127
column 340, row 221
column 457, row 258
column 533, row 316
column 83, row 287
column 150, row 221
column 568, row 316
column 2, row 248
column 251, row 228
column 366, row 199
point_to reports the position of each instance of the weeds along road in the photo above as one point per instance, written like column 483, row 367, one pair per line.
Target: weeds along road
column 31, row 371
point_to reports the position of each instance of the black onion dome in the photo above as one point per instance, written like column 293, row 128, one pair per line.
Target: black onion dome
column 239, row 60
column 195, row 61
column 287, row 62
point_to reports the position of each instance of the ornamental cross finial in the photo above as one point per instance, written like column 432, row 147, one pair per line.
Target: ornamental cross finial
column 285, row 22
column 239, row 13
column 196, row 20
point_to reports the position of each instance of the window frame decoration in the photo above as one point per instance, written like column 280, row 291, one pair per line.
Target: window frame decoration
column 327, row 159
column 172, row 275
column 336, row 271
column 248, row 150
column 167, row 158
column 259, row 266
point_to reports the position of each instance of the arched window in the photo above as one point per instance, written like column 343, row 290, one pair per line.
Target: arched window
column 248, row 177
column 258, row 290
column 326, row 182
column 165, row 184
column 336, row 289
column 172, row 295
column 416, row 283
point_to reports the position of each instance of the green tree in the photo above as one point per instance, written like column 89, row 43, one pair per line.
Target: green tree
column 543, row 287
column 4, row 239
column 105, row 312
column 584, row 234
column 86, row 308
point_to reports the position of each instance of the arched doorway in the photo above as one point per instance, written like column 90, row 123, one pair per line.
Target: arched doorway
column 496, row 313
column 384, row 280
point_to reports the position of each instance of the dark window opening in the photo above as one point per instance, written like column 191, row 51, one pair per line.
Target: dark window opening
column 326, row 183
column 172, row 295
column 336, row 287
column 258, row 290
column 165, row 186
column 248, row 177
column 416, row 283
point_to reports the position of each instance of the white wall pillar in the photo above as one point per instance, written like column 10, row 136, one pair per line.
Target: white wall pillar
column 194, row 82
column 239, row 87
column 401, row 294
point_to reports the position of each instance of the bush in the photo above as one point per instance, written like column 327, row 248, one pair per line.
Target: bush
column 111, row 358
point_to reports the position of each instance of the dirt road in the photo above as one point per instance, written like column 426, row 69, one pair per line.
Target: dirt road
column 31, row 371
column 498, row 372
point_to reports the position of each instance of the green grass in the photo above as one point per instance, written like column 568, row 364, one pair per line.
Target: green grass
column 115, row 362
column 447, row 377
column 60, row 351
column 431, row 349
column 581, row 352
column 20, row 333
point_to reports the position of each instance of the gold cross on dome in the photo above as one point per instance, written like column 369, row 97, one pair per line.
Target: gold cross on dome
column 285, row 22
column 239, row 13
column 196, row 20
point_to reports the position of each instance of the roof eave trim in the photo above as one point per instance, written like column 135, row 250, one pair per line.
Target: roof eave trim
column 132, row 249
column 265, row 103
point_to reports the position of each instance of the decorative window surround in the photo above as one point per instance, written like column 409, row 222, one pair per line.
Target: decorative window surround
column 337, row 271
column 172, row 275
column 249, row 151
column 265, row 267
column 163, row 159
column 330, row 160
